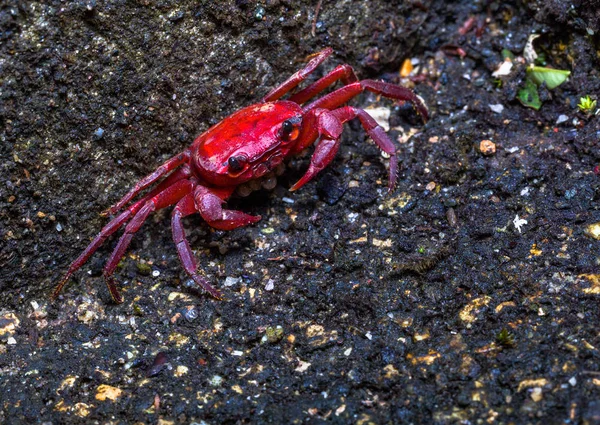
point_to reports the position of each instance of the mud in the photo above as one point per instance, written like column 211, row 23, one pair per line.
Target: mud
column 469, row 295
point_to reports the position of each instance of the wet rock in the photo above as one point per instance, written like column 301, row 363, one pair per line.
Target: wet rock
column 158, row 364
column 330, row 189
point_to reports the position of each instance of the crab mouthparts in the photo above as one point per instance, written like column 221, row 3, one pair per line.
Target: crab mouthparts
column 267, row 164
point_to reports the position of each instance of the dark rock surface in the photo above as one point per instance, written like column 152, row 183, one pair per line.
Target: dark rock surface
column 469, row 295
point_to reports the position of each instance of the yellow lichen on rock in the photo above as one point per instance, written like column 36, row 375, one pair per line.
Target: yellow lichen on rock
column 106, row 392
column 469, row 312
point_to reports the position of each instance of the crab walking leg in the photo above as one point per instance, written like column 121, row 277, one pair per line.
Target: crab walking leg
column 209, row 205
column 106, row 231
column 115, row 224
column 330, row 129
column 342, row 72
column 185, row 207
column 376, row 132
column 167, row 197
column 342, row 95
column 299, row 76
column 160, row 172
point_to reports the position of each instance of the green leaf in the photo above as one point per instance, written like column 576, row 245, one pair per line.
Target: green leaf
column 552, row 77
column 529, row 96
column 541, row 59
column 507, row 54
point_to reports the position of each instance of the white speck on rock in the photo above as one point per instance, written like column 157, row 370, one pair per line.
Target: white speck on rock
column 498, row 108
column 303, row 367
column 216, row 381
column 536, row 394
column 230, row 281
column 503, row 69
column 381, row 115
column 352, row 217
column 519, row 222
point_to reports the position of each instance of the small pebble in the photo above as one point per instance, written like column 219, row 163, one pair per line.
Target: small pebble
column 450, row 202
column 593, row 231
column 561, row 119
column 536, row 394
column 99, row 133
column 259, row 13
column 230, row 281
column 270, row 285
column 191, row 314
column 155, row 273
column 216, row 381
column 487, row 147
column 570, row 194
column 176, row 15
column 181, row 370
column 158, row 364
column 451, row 217
column 58, row 227
column 498, row 108
column 273, row 334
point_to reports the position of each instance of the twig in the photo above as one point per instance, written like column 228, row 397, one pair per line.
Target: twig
column 313, row 31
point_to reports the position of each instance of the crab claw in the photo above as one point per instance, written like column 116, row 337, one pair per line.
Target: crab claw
column 323, row 155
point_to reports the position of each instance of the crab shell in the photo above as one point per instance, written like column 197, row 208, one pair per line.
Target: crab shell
column 254, row 135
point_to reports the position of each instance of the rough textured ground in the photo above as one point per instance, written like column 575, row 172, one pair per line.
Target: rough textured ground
column 469, row 295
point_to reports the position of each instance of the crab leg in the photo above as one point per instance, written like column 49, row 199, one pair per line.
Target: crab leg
column 187, row 206
column 342, row 72
column 115, row 224
column 165, row 198
column 329, row 126
column 161, row 171
column 344, row 94
column 106, row 231
column 209, row 205
column 376, row 132
column 299, row 76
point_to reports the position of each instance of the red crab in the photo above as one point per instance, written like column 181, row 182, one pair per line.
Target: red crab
column 248, row 145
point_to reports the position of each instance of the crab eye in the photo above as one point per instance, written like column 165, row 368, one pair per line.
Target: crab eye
column 287, row 127
column 290, row 129
column 237, row 163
